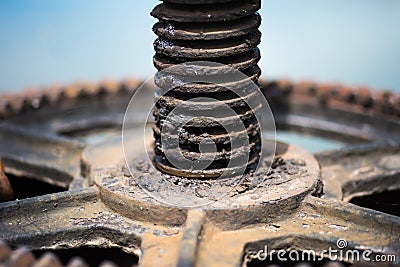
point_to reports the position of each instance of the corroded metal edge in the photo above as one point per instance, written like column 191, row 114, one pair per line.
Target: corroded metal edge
column 356, row 98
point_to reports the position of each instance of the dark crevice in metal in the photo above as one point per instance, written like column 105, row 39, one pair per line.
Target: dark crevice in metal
column 387, row 202
column 27, row 187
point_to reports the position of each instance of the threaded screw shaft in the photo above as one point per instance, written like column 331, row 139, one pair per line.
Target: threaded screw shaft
column 223, row 31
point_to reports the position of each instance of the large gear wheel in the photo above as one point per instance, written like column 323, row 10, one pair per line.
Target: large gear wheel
column 70, row 138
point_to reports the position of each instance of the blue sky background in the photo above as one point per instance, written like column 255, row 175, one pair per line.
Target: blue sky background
column 42, row 42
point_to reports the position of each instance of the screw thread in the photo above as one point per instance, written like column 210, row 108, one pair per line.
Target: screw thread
column 222, row 31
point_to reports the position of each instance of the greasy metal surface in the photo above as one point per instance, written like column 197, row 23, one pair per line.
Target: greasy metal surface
column 215, row 11
column 200, row 49
column 193, row 32
column 207, row 31
column 200, row 2
column 80, row 217
column 240, row 62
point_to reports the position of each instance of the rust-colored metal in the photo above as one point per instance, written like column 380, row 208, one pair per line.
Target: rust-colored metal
column 69, row 136
column 71, row 155
column 22, row 257
column 192, row 31
column 36, row 98
column 6, row 191
column 382, row 102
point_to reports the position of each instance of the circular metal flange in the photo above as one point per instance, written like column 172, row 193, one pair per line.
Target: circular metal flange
column 274, row 191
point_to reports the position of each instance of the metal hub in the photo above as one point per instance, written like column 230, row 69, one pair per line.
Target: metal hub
column 276, row 193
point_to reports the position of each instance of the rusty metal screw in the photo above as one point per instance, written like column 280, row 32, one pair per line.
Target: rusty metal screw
column 223, row 31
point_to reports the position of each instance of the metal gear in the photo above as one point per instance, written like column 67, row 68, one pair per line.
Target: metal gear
column 72, row 153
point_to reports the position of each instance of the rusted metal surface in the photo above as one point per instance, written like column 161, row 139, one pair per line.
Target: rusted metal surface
column 22, row 257
column 298, row 178
column 91, row 216
column 210, row 12
column 190, row 32
column 6, row 192
column 34, row 98
column 70, row 136
column 380, row 103
column 377, row 102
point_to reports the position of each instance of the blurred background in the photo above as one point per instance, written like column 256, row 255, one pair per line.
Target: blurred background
column 44, row 42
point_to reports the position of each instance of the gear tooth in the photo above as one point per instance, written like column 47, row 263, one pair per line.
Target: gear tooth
column 109, row 86
column 89, row 89
column 5, row 251
column 108, row 264
column 77, row 262
column 70, row 91
column 285, row 86
column 21, row 257
column 49, row 94
column 48, row 259
column 129, row 86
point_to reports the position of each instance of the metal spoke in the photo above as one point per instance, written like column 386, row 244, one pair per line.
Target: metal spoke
column 319, row 224
column 48, row 158
column 68, row 220
column 178, row 249
column 360, row 170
